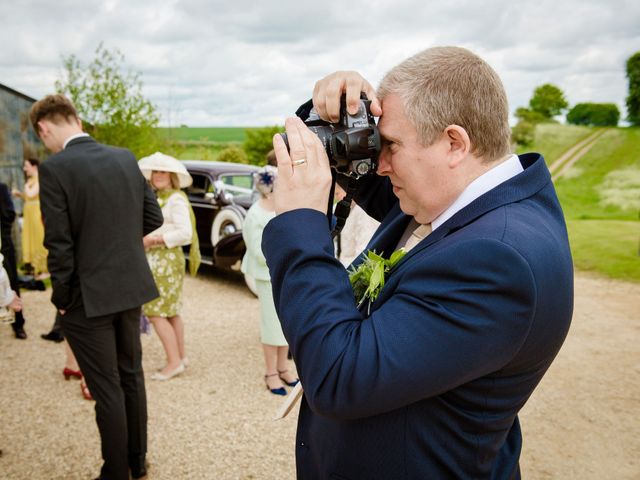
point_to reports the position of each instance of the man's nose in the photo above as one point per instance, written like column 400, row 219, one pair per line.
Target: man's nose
column 384, row 166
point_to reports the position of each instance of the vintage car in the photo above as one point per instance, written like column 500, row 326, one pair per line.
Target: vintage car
column 221, row 194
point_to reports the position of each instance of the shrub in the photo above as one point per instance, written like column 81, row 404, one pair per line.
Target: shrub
column 526, row 115
column 594, row 114
column 523, row 133
column 233, row 155
column 258, row 142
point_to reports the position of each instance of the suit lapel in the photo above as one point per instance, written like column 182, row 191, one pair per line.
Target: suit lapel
column 387, row 235
column 524, row 185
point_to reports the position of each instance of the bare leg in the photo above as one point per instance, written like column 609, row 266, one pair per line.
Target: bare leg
column 70, row 360
column 178, row 328
column 283, row 365
column 271, row 363
column 168, row 338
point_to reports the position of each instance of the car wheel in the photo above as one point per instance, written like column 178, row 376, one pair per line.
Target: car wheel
column 251, row 284
column 227, row 221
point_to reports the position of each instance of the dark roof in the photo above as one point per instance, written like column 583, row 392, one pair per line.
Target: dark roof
column 17, row 93
column 220, row 167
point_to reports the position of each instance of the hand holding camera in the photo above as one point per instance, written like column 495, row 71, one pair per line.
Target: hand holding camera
column 350, row 145
column 328, row 92
column 304, row 178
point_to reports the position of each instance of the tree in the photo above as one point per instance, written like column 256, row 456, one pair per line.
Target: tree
column 526, row 115
column 633, row 100
column 548, row 100
column 594, row 114
column 258, row 142
column 110, row 102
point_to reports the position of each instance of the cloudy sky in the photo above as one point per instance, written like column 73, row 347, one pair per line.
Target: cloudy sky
column 246, row 63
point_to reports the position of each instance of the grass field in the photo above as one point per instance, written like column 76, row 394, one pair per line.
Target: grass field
column 600, row 197
column 199, row 151
column 202, row 143
column 552, row 140
column 205, row 134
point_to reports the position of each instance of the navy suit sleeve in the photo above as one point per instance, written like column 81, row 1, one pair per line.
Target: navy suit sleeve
column 57, row 236
column 449, row 319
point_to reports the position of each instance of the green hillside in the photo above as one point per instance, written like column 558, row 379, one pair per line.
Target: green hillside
column 552, row 140
column 204, row 134
column 600, row 196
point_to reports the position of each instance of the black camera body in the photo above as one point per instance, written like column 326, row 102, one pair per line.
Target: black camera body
column 352, row 144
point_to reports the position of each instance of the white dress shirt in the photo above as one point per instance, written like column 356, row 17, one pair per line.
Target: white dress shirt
column 73, row 137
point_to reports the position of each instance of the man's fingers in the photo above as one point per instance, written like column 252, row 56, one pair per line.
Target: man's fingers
column 333, row 91
column 376, row 108
column 327, row 94
column 310, row 141
column 354, row 85
column 319, row 98
column 296, row 145
column 282, row 156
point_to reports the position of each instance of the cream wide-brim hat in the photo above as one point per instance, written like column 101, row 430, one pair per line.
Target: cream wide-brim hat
column 165, row 163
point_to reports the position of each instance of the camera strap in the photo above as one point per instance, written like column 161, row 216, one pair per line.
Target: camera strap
column 343, row 207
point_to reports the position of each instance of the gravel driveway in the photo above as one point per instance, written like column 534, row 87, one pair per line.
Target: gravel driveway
column 215, row 421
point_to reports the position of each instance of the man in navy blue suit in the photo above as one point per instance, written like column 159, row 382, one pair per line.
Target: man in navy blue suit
column 427, row 381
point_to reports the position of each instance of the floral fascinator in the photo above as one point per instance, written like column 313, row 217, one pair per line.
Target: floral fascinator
column 264, row 179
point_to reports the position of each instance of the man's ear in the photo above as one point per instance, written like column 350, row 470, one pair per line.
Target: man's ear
column 459, row 144
column 42, row 129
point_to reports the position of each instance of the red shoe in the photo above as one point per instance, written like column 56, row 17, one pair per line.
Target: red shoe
column 67, row 372
column 85, row 391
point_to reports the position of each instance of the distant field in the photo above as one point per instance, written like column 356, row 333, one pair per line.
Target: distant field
column 600, row 197
column 205, row 134
column 208, row 151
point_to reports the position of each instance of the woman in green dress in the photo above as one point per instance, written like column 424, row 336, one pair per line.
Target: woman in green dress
column 166, row 259
column 274, row 345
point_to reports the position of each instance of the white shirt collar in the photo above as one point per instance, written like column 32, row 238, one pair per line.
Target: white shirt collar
column 481, row 185
column 73, row 137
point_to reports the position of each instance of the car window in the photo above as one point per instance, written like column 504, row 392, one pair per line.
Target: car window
column 200, row 185
column 240, row 186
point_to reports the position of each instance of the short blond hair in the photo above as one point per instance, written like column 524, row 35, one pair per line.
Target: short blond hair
column 444, row 86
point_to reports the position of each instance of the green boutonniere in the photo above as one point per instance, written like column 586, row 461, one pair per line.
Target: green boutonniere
column 368, row 279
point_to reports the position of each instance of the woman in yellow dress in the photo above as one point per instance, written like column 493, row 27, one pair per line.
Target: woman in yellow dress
column 33, row 251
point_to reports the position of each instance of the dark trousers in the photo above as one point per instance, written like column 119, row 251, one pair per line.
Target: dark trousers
column 57, row 325
column 109, row 353
column 9, row 263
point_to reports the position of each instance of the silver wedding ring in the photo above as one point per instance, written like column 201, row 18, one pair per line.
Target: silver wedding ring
column 295, row 163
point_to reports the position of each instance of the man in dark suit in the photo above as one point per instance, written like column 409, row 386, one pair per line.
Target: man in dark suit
column 427, row 380
column 8, row 251
column 96, row 207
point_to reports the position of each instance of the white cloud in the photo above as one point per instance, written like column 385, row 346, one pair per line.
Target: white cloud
column 252, row 63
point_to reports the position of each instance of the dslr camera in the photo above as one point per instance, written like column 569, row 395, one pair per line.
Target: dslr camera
column 352, row 144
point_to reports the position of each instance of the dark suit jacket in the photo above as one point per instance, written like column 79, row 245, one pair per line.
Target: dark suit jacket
column 7, row 215
column 429, row 385
column 96, row 207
